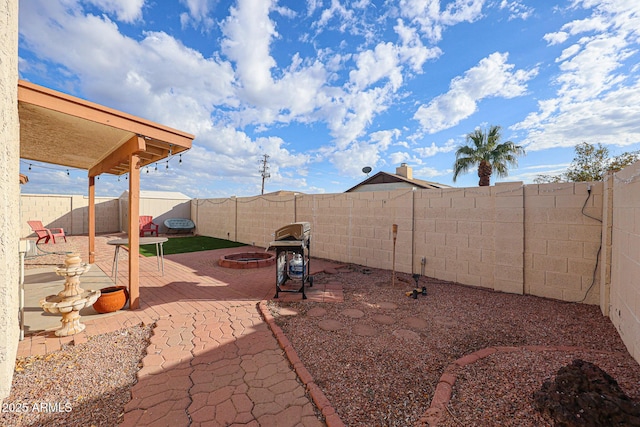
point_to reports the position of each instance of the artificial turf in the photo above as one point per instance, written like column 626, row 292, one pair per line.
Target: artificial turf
column 179, row 245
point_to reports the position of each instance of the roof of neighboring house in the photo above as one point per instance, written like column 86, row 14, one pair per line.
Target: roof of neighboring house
column 387, row 178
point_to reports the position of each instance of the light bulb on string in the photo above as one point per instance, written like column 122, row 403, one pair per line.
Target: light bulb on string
column 156, row 166
column 167, row 165
column 29, row 166
column 180, row 161
column 67, row 172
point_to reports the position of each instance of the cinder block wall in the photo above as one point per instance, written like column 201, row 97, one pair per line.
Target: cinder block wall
column 68, row 212
column 357, row 227
column 562, row 242
column 159, row 208
column 258, row 217
column 625, row 258
column 507, row 237
column 215, row 217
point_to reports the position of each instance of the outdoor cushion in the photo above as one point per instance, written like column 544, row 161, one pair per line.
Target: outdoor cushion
column 179, row 224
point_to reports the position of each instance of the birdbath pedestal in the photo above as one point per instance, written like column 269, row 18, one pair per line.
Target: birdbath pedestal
column 72, row 298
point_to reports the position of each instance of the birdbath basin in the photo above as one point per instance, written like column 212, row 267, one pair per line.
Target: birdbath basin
column 72, row 298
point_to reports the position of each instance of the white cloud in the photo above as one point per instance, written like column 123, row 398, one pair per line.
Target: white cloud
column 125, row 10
column 337, row 11
column 432, row 20
column 411, row 49
column 433, row 149
column 517, row 10
column 492, row 77
column 198, row 14
column 569, row 52
column 375, row 65
column 556, row 38
column 612, row 119
column 594, row 101
column 429, row 172
column 358, row 155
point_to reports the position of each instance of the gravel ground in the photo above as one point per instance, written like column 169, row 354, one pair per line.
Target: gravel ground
column 381, row 369
column 84, row 385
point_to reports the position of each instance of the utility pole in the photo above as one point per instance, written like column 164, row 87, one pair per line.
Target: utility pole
column 264, row 170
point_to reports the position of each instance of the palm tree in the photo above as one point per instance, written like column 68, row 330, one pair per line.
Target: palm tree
column 485, row 150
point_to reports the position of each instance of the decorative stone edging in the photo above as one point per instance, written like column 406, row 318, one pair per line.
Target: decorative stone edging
column 322, row 403
column 444, row 389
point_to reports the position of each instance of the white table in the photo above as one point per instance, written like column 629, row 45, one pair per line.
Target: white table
column 158, row 241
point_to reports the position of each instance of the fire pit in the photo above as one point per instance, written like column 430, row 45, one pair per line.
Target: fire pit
column 242, row 260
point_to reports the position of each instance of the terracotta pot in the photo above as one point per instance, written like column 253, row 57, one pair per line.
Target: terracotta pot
column 111, row 299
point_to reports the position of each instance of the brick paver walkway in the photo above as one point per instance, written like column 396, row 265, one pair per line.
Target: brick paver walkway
column 212, row 359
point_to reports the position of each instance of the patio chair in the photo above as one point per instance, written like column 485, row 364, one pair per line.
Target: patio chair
column 147, row 225
column 46, row 233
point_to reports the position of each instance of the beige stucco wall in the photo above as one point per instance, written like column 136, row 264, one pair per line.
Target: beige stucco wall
column 215, row 217
column 561, row 242
column 509, row 237
column 625, row 258
column 159, row 208
column 9, row 192
column 69, row 212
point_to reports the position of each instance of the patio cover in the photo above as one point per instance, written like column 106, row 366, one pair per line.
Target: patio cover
column 64, row 130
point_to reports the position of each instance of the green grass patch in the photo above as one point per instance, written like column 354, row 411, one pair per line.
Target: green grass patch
column 180, row 245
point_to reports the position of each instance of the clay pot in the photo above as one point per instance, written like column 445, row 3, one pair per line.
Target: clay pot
column 111, row 299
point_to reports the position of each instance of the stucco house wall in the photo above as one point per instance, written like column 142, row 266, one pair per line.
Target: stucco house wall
column 624, row 309
column 9, row 192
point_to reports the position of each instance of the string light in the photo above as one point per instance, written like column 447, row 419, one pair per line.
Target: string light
column 29, row 166
column 67, row 172
column 180, row 161
column 156, row 166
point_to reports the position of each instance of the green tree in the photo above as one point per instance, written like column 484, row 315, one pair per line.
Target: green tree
column 591, row 163
column 484, row 149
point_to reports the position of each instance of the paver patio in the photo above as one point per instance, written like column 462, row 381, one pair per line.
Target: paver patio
column 212, row 359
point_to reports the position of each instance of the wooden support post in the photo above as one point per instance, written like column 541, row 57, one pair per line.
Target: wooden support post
column 393, row 272
column 92, row 220
column 134, row 236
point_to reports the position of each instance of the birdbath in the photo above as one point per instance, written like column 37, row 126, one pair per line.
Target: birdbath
column 72, row 298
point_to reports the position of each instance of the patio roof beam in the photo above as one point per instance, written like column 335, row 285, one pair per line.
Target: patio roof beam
column 120, row 157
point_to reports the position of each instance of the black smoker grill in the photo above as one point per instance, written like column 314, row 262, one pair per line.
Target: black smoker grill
column 293, row 239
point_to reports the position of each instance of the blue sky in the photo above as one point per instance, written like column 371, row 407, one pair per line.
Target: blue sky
column 327, row 87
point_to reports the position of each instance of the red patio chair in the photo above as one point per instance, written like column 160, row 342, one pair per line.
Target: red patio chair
column 147, row 225
column 46, row 233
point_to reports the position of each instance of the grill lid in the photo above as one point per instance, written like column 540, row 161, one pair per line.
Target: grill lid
column 294, row 231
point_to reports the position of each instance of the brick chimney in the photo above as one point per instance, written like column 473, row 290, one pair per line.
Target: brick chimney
column 405, row 171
